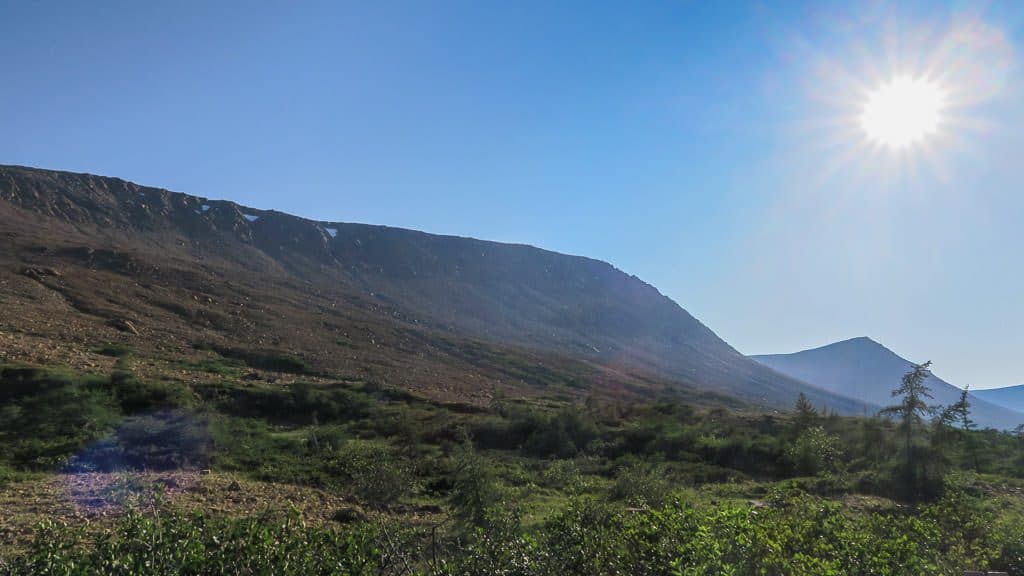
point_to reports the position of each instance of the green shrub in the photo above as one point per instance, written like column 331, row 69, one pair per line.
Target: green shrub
column 114, row 350
column 564, row 475
column 380, row 477
column 814, row 452
column 135, row 396
column 6, row 475
column 564, row 435
column 642, row 485
column 194, row 544
column 254, row 448
column 165, row 440
column 300, row 403
column 270, row 360
column 473, row 488
column 47, row 417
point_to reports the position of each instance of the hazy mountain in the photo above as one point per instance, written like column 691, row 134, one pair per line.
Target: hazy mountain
column 1011, row 397
column 866, row 370
column 424, row 311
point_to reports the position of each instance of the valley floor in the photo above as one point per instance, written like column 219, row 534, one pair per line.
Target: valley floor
column 171, row 461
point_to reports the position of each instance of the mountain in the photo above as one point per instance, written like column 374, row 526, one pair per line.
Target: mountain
column 85, row 259
column 1011, row 397
column 864, row 369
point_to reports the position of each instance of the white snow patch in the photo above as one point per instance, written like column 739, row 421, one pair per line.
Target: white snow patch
column 198, row 212
column 251, row 217
column 205, row 207
column 332, row 231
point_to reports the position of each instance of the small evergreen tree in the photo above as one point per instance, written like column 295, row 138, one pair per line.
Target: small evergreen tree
column 910, row 414
column 805, row 416
column 473, row 488
column 912, row 409
column 963, row 412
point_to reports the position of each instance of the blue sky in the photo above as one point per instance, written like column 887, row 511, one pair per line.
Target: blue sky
column 710, row 148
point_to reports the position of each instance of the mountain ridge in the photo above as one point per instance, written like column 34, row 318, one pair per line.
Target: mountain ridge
column 1011, row 397
column 509, row 295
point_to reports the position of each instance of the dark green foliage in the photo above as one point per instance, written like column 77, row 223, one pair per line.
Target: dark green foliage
column 135, row 396
column 270, row 360
column 918, row 480
column 166, row 440
column 913, row 394
column 49, row 420
column 473, row 490
column 115, row 350
column 6, row 475
column 328, row 403
column 299, row 403
column 45, row 417
column 563, row 434
column 804, row 414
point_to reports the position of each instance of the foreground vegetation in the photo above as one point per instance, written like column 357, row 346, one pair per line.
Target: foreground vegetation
column 792, row 533
column 519, row 487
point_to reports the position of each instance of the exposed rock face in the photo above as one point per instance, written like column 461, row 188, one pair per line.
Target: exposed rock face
column 281, row 235
column 37, row 272
column 124, row 326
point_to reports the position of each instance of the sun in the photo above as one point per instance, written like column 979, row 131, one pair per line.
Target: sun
column 903, row 112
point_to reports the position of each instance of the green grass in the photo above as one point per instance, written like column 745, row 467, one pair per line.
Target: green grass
column 220, row 366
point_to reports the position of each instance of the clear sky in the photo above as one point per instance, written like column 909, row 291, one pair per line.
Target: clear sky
column 711, row 148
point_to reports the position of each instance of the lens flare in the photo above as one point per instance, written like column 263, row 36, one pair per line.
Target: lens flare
column 903, row 112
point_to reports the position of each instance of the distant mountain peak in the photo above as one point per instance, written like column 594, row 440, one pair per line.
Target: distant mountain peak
column 865, row 341
column 868, row 371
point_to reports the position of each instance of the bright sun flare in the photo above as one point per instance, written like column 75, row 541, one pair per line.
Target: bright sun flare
column 903, row 112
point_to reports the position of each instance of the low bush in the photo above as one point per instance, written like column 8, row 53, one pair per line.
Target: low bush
column 114, row 350
column 642, row 484
column 379, row 476
column 194, row 544
column 270, row 360
column 135, row 396
column 166, row 440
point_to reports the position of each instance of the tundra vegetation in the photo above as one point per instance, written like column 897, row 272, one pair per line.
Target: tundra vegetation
column 520, row 487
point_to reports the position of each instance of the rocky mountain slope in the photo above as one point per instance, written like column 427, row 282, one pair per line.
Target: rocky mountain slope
column 85, row 259
column 866, row 370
